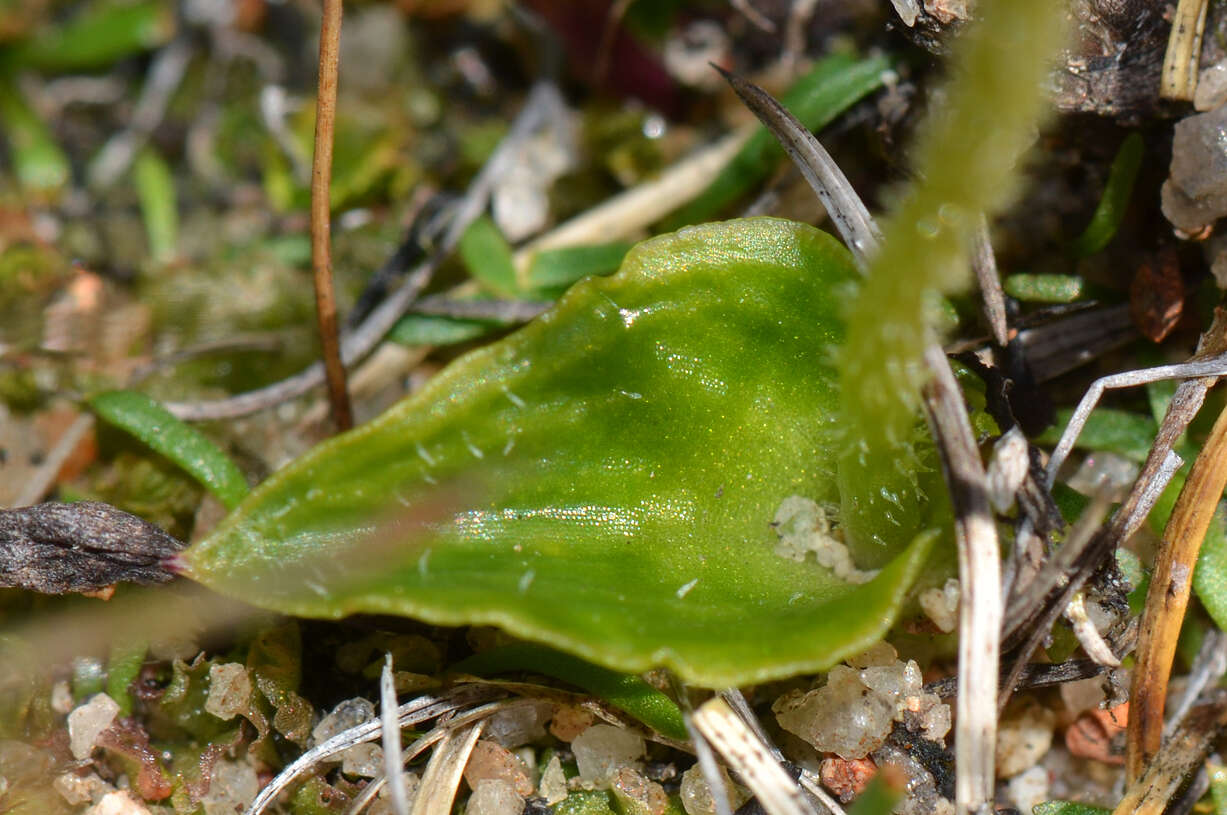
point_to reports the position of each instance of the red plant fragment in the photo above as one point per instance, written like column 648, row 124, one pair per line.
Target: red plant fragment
column 1156, row 296
column 129, row 741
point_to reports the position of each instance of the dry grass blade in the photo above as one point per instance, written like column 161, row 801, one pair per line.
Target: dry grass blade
column 984, row 264
column 710, row 768
column 1168, row 595
column 980, row 606
column 1180, row 62
column 422, row 709
column 443, row 772
column 1215, row 366
column 750, row 758
column 1181, row 754
column 430, row 739
column 848, row 213
column 321, row 212
column 390, row 732
column 628, row 212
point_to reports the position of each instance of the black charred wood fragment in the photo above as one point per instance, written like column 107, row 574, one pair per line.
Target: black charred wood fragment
column 58, row 548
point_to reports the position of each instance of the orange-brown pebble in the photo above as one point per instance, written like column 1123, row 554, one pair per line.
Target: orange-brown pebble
column 569, row 721
column 1093, row 733
column 490, row 760
column 847, row 778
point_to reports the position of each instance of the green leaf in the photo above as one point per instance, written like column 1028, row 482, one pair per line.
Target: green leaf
column 431, row 329
column 39, row 162
column 1044, row 288
column 106, row 32
column 123, row 666
column 487, row 256
column 553, row 269
column 626, row 692
column 832, row 86
column 148, row 421
column 877, row 799
column 1067, row 808
column 1115, row 201
column 603, row 480
column 1115, row 431
column 155, row 188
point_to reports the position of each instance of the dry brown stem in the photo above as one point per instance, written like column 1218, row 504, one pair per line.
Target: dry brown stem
column 321, row 235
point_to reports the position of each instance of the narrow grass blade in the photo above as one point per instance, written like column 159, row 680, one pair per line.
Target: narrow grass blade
column 148, row 421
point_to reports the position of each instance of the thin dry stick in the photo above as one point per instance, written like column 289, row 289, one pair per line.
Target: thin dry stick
column 750, row 758
column 980, row 606
column 1168, row 596
column 984, row 264
column 321, row 222
column 1180, row 62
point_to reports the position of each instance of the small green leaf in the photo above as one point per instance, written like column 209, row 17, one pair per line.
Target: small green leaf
column 553, row 269
column 123, row 666
column 431, row 329
column 1122, row 432
column 603, row 480
column 487, row 256
column 626, row 692
column 877, row 799
column 155, row 188
column 148, row 421
column 95, row 38
column 1044, row 288
column 1067, row 808
column 1115, row 201
column 38, row 160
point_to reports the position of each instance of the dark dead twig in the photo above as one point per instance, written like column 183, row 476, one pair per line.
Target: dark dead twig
column 84, row 546
column 321, row 212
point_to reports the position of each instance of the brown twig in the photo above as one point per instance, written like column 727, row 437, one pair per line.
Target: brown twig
column 1182, row 753
column 984, row 264
column 1168, row 596
column 321, row 235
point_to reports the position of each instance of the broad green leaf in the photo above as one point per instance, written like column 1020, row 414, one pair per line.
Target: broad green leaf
column 157, row 427
column 603, row 480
